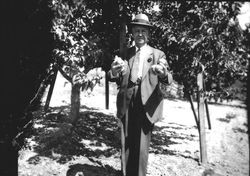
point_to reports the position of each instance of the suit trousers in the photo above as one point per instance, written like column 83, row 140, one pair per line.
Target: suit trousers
column 137, row 141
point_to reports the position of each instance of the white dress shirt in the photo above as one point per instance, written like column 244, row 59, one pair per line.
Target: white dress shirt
column 143, row 53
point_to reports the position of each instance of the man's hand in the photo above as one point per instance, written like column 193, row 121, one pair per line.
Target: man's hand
column 117, row 66
column 158, row 70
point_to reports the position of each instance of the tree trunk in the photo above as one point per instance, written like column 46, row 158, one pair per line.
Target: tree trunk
column 75, row 103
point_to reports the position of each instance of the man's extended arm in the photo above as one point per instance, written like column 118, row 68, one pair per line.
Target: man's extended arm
column 118, row 69
column 167, row 78
column 162, row 69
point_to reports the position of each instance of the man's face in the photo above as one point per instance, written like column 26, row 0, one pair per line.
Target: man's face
column 140, row 35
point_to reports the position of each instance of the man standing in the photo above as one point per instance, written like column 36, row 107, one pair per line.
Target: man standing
column 139, row 100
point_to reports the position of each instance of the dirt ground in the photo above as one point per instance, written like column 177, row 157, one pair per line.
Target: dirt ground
column 93, row 147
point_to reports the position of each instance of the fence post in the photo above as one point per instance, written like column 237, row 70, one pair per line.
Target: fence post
column 46, row 106
column 106, row 91
column 201, row 115
column 192, row 107
column 208, row 116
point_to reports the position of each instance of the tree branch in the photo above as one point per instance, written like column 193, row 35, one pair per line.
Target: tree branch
column 63, row 73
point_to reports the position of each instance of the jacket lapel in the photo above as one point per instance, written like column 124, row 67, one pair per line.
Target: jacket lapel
column 131, row 59
column 148, row 61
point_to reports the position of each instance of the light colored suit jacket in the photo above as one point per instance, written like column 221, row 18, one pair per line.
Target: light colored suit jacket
column 152, row 97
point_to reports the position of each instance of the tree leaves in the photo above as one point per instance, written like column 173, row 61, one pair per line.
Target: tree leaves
column 204, row 31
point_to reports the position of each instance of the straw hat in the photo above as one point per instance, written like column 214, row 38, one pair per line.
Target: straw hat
column 141, row 19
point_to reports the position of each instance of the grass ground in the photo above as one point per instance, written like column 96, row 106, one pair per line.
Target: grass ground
column 93, row 147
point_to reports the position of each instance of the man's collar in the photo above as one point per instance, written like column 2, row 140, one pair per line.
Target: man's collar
column 142, row 48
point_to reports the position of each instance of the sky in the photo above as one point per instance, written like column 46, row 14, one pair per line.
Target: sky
column 244, row 17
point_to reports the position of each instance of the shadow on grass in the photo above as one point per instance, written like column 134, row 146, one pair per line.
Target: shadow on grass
column 224, row 120
column 228, row 118
column 165, row 136
column 95, row 135
column 89, row 170
column 240, row 130
column 243, row 106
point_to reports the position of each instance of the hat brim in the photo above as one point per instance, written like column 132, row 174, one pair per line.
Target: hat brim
column 140, row 24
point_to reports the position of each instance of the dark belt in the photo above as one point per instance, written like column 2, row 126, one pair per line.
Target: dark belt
column 133, row 84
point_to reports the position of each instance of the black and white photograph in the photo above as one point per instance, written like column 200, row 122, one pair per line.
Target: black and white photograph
column 125, row 88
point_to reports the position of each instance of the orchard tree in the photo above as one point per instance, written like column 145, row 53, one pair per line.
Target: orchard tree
column 191, row 33
column 75, row 55
column 86, row 37
column 195, row 33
